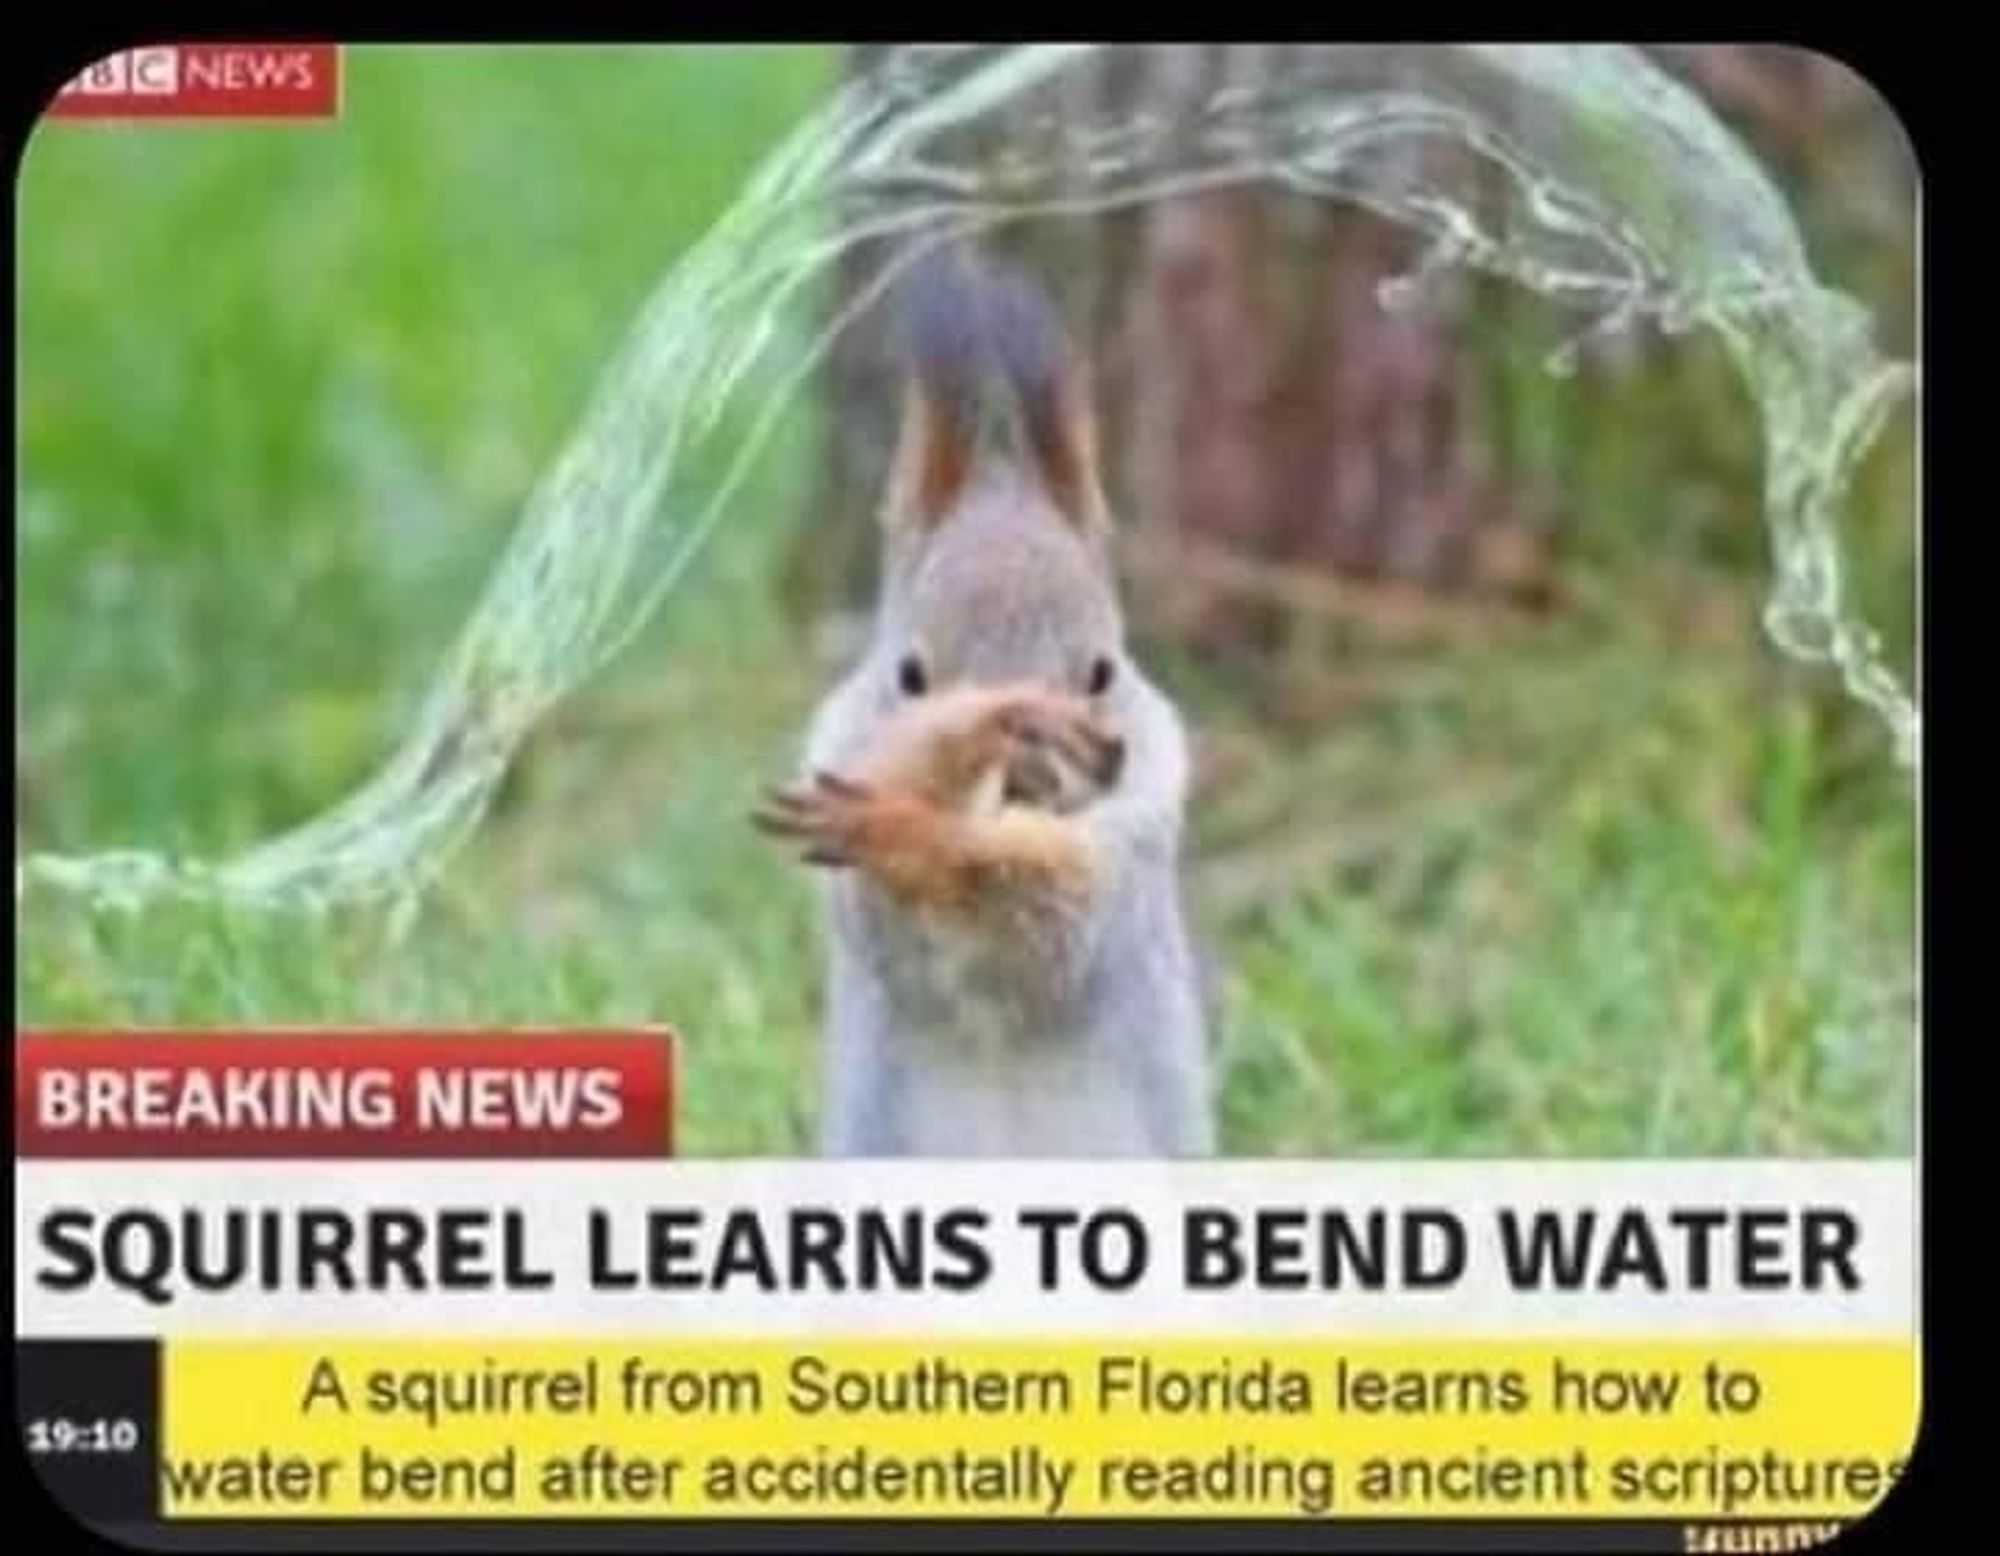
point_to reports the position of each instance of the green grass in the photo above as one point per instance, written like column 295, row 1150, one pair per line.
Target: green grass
column 1621, row 885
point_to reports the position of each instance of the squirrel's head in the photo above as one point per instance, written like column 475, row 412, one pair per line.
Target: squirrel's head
column 998, row 557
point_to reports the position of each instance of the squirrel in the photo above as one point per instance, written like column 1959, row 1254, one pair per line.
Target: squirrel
column 996, row 791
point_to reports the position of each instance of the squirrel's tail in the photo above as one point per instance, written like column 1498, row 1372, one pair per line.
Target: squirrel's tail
column 978, row 339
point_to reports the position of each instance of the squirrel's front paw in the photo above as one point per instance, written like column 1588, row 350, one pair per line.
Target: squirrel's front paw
column 1055, row 746
column 839, row 822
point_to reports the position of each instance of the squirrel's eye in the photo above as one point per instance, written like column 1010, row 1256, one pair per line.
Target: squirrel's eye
column 910, row 676
column 1101, row 672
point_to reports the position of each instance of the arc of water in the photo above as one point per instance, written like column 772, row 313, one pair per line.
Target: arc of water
column 1623, row 194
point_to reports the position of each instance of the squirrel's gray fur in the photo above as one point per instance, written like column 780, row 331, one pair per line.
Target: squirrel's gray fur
column 1040, row 1026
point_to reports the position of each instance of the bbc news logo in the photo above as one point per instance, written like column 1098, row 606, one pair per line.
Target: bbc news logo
column 207, row 81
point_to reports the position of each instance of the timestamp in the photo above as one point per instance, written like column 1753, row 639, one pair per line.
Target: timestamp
column 95, row 1434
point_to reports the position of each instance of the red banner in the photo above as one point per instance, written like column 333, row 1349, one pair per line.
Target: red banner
column 337, row 1093
column 207, row 81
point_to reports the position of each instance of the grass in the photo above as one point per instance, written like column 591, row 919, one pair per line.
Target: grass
column 1625, row 885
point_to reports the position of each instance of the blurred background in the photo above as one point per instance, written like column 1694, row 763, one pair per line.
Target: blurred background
column 1512, row 834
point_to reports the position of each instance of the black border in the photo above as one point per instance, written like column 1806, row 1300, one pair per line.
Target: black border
column 1938, row 1463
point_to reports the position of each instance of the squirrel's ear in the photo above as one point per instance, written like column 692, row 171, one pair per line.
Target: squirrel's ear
column 932, row 463
column 1062, row 436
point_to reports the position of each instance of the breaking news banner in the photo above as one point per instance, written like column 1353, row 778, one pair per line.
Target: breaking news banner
column 465, row 1281
column 1117, row 860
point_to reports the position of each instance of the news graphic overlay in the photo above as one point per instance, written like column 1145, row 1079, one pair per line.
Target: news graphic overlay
column 328, row 1277
column 206, row 81
column 333, row 1094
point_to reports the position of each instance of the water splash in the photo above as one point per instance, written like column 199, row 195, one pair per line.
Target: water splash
column 1592, row 179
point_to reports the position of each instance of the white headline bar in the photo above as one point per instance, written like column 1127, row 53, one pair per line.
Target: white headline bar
column 572, row 1248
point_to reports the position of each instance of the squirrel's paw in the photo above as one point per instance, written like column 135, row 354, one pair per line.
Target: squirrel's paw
column 833, row 817
column 1046, row 734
